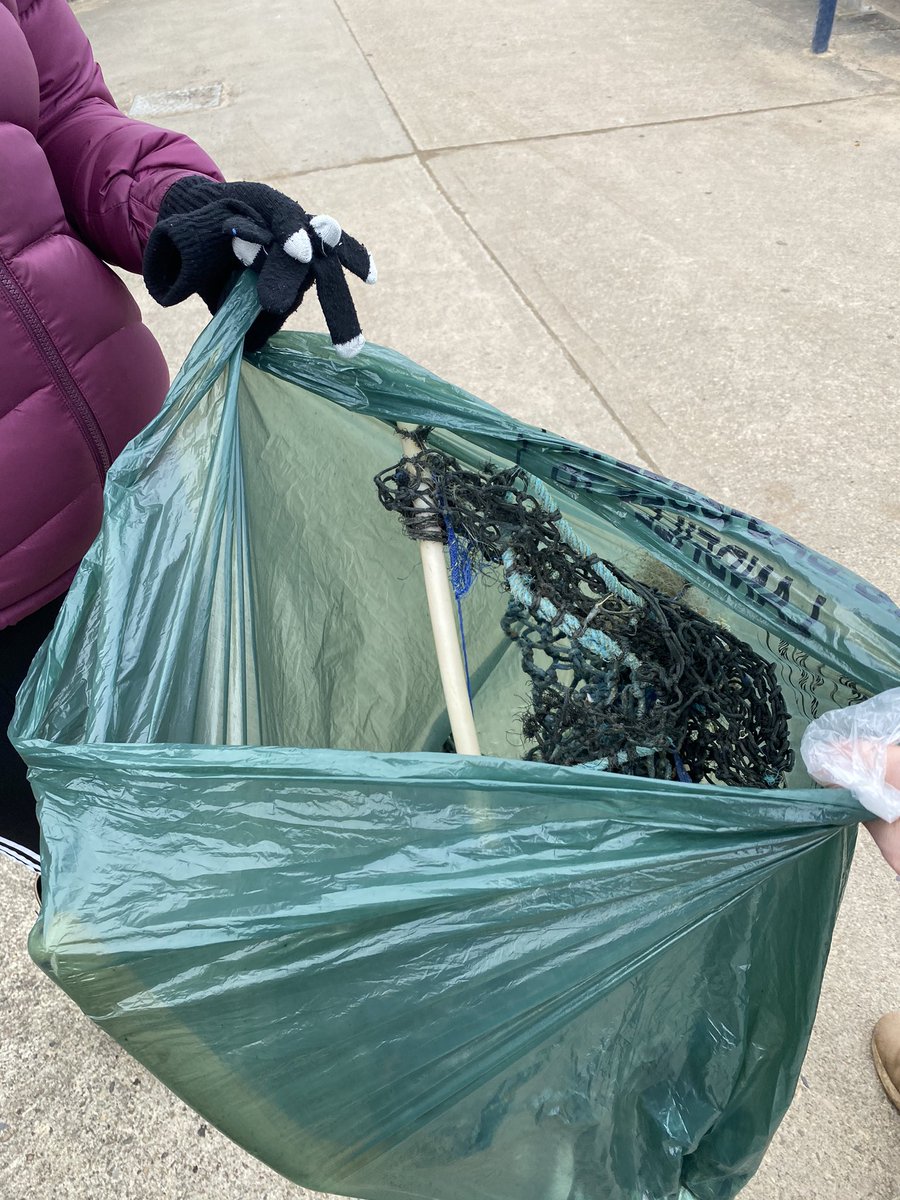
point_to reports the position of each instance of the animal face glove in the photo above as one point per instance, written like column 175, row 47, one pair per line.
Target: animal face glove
column 204, row 225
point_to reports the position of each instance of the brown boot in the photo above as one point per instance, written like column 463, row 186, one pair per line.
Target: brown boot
column 886, row 1052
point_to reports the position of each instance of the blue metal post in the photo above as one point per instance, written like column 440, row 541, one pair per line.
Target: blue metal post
column 824, row 24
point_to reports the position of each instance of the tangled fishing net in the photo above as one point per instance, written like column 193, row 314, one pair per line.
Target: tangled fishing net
column 622, row 675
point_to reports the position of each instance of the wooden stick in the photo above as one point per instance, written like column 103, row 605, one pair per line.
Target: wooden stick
column 443, row 625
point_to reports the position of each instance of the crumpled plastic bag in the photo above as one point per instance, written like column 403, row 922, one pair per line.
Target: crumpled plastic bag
column 847, row 748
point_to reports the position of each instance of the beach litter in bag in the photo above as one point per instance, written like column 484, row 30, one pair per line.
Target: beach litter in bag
column 583, row 964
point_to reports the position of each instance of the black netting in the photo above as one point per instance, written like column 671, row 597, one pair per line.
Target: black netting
column 622, row 675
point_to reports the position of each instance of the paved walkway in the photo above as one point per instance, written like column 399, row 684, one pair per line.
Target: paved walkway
column 663, row 228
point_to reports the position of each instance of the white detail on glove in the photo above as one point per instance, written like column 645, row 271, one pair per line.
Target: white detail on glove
column 848, row 748
column 245, row 251
column 352, row 348
column 327, row 228
column 299, row 246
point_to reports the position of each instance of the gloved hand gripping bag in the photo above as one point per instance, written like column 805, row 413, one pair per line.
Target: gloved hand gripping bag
column 388, row 971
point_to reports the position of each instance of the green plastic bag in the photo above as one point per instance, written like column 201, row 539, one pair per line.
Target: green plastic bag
column 387, row 971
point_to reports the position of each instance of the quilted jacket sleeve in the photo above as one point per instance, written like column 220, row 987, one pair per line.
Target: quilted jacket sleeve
column 111, row 172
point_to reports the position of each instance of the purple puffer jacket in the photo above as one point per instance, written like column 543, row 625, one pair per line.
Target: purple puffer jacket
column 79, row 374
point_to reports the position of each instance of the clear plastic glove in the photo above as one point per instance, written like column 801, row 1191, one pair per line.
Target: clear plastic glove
column 859, row 748
column 849, row 748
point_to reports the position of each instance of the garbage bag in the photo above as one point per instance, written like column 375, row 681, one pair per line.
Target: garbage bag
column 385, row 970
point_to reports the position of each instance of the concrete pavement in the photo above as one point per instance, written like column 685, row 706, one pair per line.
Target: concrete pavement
column 664, row 229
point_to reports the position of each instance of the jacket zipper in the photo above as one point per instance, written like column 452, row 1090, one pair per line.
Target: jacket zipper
column 71, row 392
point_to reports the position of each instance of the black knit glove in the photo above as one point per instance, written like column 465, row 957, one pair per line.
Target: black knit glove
column 203, row 225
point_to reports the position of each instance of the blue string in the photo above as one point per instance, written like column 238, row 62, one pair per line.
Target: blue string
column 462, row 641
column 461, row 579
column 679, row 768
column 461, row 574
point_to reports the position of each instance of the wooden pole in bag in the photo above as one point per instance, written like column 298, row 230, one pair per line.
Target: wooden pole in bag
column 443, row 625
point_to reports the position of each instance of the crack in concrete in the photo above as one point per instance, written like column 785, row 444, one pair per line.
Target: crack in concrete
column 425, row 156
column 699, row 119
column 492, row 257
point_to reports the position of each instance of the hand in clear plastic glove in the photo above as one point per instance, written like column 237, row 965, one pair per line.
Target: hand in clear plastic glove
column 858, row 748
column 887, row 833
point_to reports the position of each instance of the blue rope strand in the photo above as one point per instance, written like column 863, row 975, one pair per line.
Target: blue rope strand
column 571, row 538
column 462, row 642
column 679, row 767
column 461, row 574
column 461, row 579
